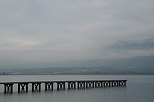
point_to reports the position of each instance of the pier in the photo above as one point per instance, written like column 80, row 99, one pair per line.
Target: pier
column 36, row 86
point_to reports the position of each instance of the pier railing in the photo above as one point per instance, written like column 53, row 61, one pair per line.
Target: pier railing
column 23, row 87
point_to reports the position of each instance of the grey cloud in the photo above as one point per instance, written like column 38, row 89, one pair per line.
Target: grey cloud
column 73, row 30
column 126, row 45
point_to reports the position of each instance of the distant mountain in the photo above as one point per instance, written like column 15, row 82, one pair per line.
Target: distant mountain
column 137, row 65
column 145, row 63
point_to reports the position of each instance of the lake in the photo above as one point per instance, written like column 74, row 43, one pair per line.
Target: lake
column 140, row 88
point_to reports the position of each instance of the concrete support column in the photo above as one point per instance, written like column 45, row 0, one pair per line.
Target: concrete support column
column 49, row 86
column 107, row 84
column 125, row 83
column 89, row 84
column 8, row 88
column 118, row 84
column 81, row 84
column 71, row 85
column 104, row 84
column 22, row 87
column 36, row 87
column 60, row 85
column 98, row 84
column 114, row 83
column 111, row 83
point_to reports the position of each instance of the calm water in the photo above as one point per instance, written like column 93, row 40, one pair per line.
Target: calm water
column 139, row 89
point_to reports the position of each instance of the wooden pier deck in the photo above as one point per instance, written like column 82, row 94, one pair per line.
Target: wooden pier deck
column 23, row 87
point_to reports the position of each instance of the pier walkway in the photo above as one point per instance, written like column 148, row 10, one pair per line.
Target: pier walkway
column 23, row 87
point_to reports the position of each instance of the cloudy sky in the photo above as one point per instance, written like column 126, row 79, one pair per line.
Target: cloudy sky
column 47, row 32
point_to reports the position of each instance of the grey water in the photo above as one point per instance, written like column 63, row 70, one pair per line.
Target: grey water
column 140, row 88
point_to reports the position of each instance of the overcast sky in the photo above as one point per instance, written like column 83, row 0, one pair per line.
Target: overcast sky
column 35, row 32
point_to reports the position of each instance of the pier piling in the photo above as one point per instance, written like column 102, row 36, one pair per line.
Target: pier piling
column 48, row 86
column 71, row 85
column 8, row 88
column 36, row 87
column 61, row 85
column 22, row 87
